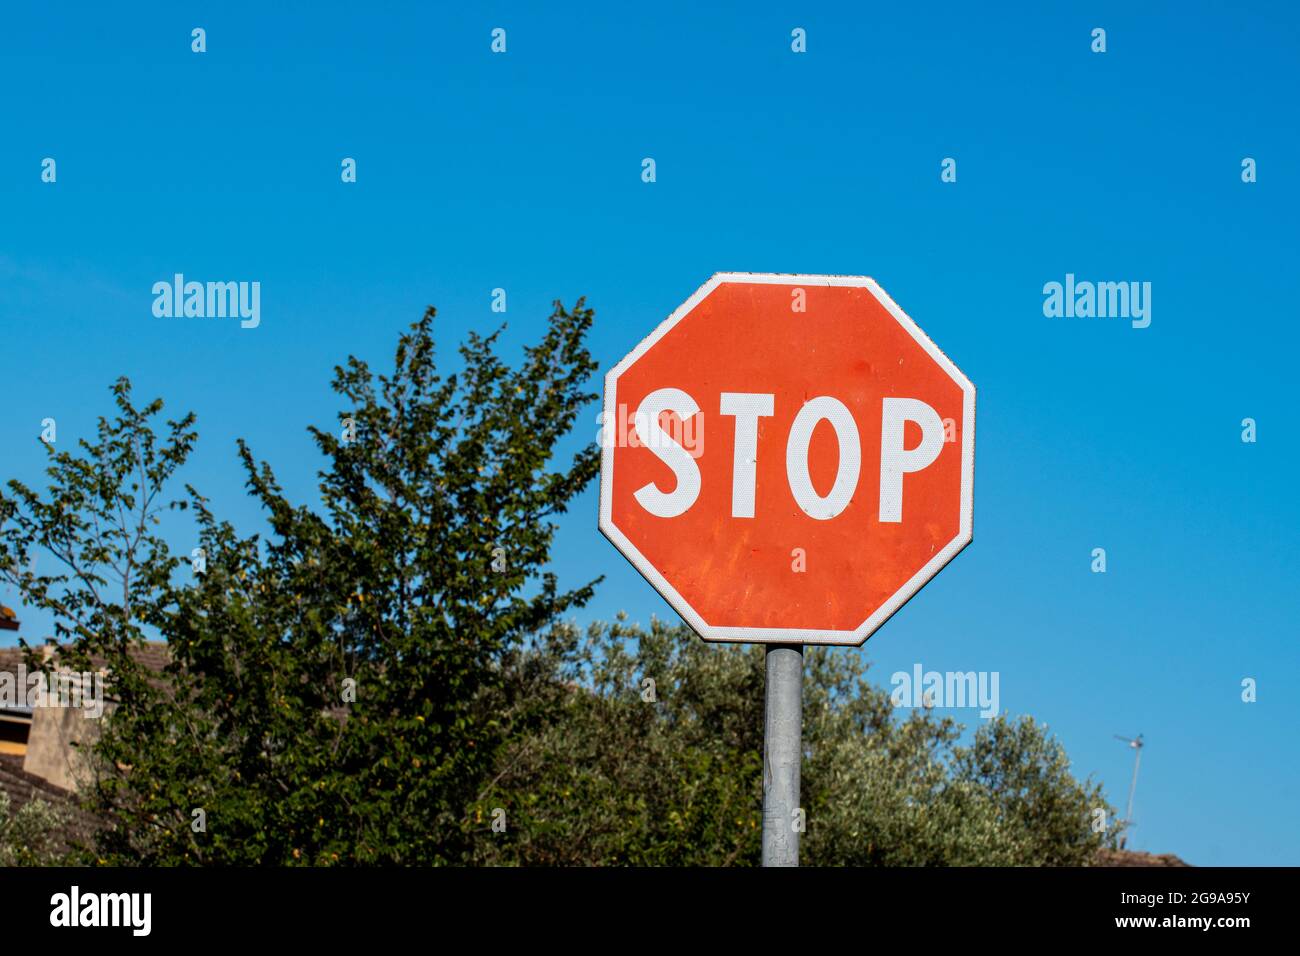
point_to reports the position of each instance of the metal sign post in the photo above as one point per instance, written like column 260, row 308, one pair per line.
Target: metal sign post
column 782, row 754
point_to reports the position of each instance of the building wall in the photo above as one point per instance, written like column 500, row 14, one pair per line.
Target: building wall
column 55, row 744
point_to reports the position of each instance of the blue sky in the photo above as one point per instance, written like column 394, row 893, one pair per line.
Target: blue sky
column 522, row 171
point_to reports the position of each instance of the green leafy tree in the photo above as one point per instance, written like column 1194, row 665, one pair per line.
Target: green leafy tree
column 109, row 586
column 621, row 779
column 99, row 520
column 906, row 792
column 33, row 834
column 637, row 773
column 339, row 689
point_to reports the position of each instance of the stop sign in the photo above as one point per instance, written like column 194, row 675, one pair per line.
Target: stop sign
column 787, row 458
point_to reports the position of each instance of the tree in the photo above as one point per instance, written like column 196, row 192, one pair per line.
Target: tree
column 637, row 773
column 32, row 834
column 338, row 690
column 99, row 520
column 623, row 779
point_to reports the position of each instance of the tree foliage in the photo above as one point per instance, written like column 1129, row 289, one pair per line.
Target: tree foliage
column 340, row 687
column 622, row 779
column 32, row 834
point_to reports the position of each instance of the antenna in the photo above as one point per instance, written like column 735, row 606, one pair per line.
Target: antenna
column 1137, row 745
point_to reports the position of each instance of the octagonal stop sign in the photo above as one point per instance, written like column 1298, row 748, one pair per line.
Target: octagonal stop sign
column 787, row 458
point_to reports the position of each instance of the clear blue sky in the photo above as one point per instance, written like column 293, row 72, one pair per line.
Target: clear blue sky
column 523, row 171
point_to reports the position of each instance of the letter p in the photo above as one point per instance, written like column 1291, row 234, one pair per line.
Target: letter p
column 895, row 459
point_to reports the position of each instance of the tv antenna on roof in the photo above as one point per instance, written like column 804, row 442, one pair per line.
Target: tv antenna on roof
column 1136, row 744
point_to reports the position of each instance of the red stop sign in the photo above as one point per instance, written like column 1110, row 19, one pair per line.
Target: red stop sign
column 787, row 458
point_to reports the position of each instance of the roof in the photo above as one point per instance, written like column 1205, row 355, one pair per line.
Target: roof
column 152, row 654
column 22, row 786
column 1136, row 858
column 10, row 658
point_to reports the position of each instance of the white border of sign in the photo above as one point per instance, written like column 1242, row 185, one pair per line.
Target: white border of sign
column 781, row 635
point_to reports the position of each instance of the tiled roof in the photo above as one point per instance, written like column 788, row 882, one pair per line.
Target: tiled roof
column 152, row 654
column 1136, row 858
column 10, row 658
column 22, row 786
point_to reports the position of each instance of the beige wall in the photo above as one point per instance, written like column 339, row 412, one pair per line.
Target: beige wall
column 52, row 747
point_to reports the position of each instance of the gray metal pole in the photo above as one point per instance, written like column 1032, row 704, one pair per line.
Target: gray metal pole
column 1137, row 762
column 782, row 754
